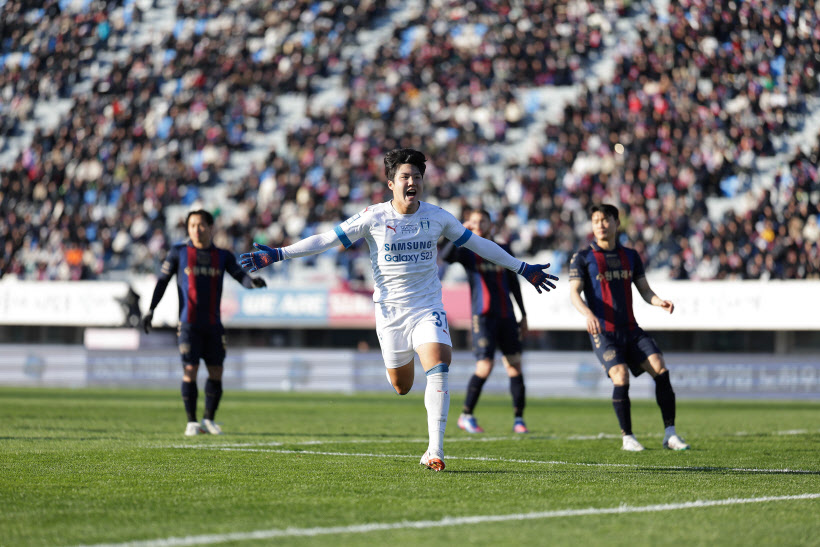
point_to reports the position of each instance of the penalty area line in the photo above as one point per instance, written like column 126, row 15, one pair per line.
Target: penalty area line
column 209, row 539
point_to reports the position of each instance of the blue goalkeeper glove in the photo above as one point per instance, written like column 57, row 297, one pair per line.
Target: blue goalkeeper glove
column 257, row 260
column 535, row 275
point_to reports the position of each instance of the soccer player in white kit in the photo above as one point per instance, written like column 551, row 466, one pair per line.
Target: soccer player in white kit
column 402, row 235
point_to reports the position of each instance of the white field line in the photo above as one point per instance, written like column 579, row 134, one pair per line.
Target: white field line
column 349, row 441
column 483, row 439
column 446, row 521
column 224, row 448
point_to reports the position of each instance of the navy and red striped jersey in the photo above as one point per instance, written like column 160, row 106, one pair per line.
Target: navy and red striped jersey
column 199, row 280
column 607, row 277
column 490, row 284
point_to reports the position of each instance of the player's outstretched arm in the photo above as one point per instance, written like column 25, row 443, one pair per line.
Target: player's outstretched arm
column 264, row 256
column 535, row 274
column 495, row 254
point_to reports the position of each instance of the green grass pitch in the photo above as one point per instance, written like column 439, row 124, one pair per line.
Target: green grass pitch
column 94, row 466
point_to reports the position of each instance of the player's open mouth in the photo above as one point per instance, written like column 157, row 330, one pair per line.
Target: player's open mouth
column 411, row 192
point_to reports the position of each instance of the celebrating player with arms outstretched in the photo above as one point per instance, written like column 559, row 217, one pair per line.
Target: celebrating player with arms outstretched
column 402, row 235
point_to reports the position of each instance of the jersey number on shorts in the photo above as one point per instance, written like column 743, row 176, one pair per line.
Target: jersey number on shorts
column 441, row 319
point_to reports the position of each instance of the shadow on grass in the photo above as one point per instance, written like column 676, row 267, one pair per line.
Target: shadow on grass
column 475, row 471
column 725, row 470
column 334, row 436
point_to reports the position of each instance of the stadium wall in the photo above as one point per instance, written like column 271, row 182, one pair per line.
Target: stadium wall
column 709, row 305
column 107, row 361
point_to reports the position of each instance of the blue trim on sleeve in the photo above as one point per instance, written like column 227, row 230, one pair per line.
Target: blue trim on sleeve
column 521, row 268
column 343, row 237
column 463, row 239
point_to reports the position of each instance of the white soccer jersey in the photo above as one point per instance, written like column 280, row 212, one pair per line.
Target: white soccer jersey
column 403, row 249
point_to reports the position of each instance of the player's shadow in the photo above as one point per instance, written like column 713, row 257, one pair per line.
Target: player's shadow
column 483, row 472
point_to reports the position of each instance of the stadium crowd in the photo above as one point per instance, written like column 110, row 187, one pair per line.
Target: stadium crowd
column 694, row 104
column 702, row 93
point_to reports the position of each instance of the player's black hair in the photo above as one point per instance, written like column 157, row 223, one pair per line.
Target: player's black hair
column 605, row 208
column 206, row 216
column 400, row 156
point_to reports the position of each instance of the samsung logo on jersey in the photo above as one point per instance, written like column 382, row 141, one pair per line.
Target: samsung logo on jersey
column 408, row 246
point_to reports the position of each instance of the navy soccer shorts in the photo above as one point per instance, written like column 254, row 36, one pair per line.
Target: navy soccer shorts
column 197, row 343
column 631, row 347
column 490, row 332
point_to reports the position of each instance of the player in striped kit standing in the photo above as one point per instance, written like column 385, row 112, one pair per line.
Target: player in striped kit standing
column 604, row 273
column 200, row 267
column 494, row 325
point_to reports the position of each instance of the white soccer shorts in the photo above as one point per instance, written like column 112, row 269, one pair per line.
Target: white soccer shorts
column 401, row 330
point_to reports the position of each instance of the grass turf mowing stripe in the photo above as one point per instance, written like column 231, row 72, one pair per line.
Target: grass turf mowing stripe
column 447, row 521
column 224, row 448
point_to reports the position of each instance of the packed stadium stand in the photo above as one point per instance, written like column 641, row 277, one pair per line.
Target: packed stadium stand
column 699, row 119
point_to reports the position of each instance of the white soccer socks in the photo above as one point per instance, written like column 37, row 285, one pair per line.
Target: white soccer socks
column 437, row 403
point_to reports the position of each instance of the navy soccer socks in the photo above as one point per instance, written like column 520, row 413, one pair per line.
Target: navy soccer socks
column 213, row 394
column 666, row 398
column 474, row 387
column 189, row 397
column 622, row 406
column 518, row 395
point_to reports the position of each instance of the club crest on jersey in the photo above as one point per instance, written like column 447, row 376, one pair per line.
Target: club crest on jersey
column 425, row 225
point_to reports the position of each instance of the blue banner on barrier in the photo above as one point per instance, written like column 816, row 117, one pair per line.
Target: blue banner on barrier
column 302, row 307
